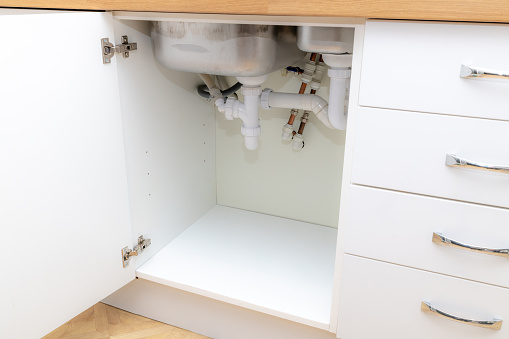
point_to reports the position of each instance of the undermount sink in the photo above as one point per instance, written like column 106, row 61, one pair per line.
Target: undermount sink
column 225, row 49
column 328, row 40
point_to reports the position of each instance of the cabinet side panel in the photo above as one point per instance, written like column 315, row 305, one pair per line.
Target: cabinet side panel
column 169, row 139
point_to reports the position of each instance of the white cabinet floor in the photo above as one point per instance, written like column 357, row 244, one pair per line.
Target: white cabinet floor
column 269, row 264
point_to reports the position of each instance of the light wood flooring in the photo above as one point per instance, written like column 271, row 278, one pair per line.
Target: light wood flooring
column 102, row 321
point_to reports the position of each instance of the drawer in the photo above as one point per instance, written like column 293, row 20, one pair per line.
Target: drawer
column 416, row 67
column 407, row 151
column 398, row 228
column 380, row 300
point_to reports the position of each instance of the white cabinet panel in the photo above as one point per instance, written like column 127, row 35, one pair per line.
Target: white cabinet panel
column 269, row 264
column 380, row 300
column 169, row 137
column 64, row 213
column 406, row 151
column 398, row 227
column 416, row 67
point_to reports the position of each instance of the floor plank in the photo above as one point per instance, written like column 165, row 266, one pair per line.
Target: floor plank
column 102, row 321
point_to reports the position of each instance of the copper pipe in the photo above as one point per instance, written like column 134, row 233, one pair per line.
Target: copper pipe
column 303, row 88
column 302, row 123
column 292, row 116
column 304, row 118
column 301, row 91
column 304, row 84
column 292, row 119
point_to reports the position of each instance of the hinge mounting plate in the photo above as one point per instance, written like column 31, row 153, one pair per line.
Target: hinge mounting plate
column 109, row 50
column 127, row 253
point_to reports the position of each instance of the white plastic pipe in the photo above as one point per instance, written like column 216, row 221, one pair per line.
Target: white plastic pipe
column 307, row 102
column 339, row 74
column 337, row 94
column 248, row 113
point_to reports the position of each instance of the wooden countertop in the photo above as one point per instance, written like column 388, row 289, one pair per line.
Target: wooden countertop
column 449, row 10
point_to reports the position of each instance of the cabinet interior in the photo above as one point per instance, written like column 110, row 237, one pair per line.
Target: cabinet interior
column 254, row 228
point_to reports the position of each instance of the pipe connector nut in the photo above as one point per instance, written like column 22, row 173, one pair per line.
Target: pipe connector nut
column 298, row 142
column 309, row 70
column 229, row 108
column 251, row 132
column 340, row 73
column 315, row 85
column 287, row 132
column 220, row 105
column 264, row 99
column 251, row 91
column 320, row 68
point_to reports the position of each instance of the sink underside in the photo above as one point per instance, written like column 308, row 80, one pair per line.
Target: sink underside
column 225, row 49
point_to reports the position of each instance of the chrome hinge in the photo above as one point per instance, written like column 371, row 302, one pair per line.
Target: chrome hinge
column 109, row 50
column 127, row 253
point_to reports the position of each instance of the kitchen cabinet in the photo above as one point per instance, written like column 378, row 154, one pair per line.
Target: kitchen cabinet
column 263, row 244
column 427, row 238
column 97, row 155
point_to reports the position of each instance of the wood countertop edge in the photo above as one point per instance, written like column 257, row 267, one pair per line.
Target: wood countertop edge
column 493, row 11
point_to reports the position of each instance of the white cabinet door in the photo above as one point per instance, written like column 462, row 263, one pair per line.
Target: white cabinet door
column 64, row 212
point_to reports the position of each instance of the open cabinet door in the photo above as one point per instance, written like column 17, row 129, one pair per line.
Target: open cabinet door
column 64, row 212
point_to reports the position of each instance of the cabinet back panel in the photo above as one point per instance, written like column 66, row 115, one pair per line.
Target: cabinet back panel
column 274, row 179
column 169, row 141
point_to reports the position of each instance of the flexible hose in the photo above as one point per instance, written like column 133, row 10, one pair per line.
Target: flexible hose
column 207, row 79
column 203, row 90
column 231, row 90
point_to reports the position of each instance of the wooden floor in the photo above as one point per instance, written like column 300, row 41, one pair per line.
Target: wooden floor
column 102, row 321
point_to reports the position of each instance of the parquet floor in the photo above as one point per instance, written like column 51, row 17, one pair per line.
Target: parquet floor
column 102, row 321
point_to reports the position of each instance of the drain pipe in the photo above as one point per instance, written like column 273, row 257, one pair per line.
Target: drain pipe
column 247, row 111
column 306, row 102
column 332, row 115
column 339, row 74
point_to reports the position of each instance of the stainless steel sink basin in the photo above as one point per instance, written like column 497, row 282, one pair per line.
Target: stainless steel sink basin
column 225, row 49
column 329, row 40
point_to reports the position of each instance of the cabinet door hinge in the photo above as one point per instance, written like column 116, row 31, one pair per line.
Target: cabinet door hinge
column 127, row 253
column 109, row 50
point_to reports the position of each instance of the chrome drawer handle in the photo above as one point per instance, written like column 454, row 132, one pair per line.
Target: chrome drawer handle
column 438, row 238
column 494, row 324
column 453, row 160
column 475, row 72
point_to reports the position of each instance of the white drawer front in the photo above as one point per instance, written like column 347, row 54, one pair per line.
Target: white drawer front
column 398, row 227
column 416, row 67
column 380, row 300
column 406, row 151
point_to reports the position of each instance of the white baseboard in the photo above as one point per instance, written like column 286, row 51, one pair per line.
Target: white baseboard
column 212, row 318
